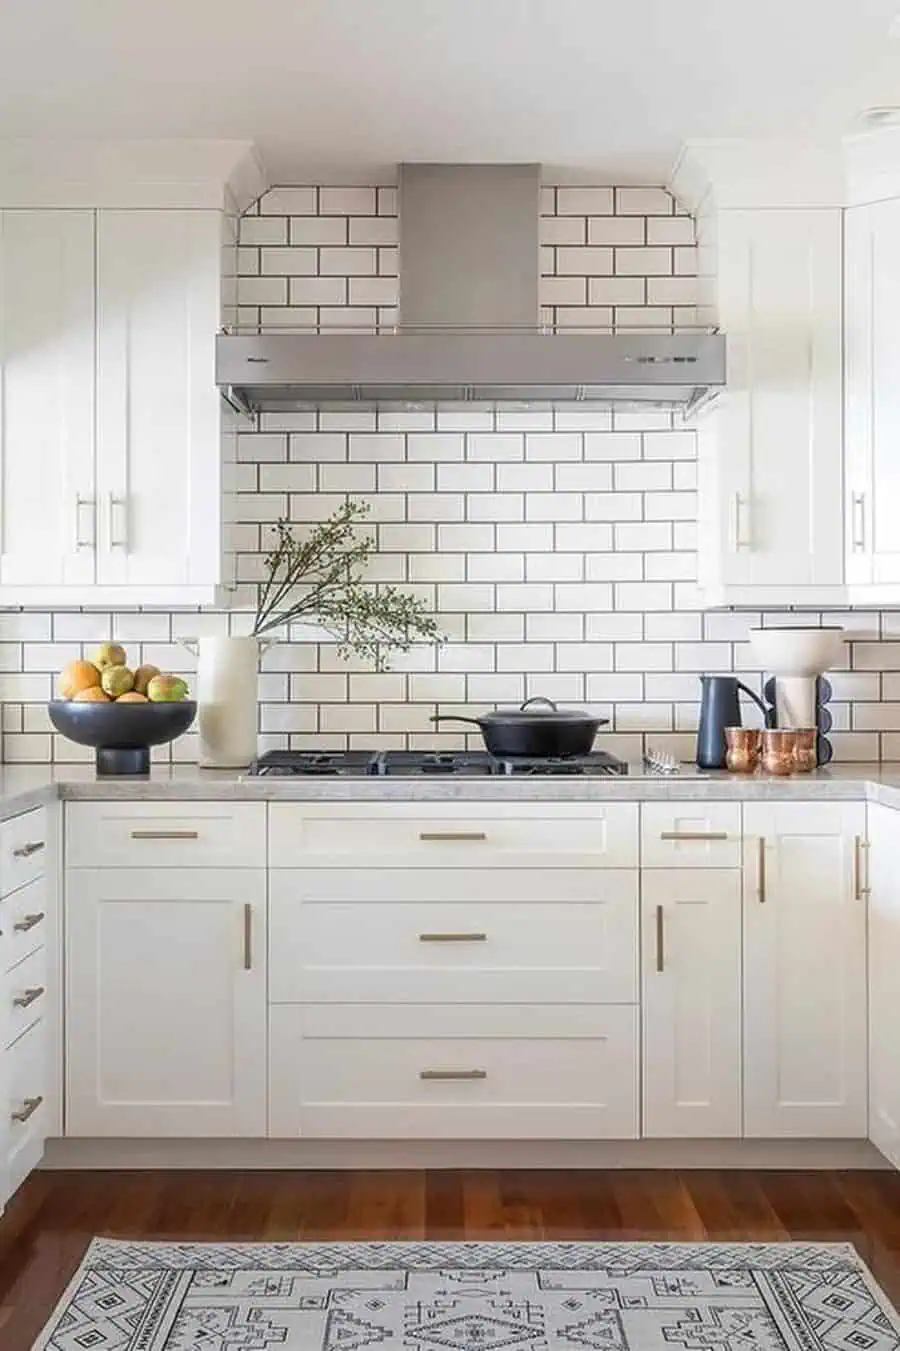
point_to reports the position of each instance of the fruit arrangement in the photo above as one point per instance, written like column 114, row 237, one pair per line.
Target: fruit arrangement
column 109, row 679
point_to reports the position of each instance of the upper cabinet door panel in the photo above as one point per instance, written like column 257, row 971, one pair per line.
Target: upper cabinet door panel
column 771, row 447
column 158, row 429
column 47, row 412
column 872, row 269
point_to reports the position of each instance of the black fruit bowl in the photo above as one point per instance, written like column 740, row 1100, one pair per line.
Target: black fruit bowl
column 122, row 733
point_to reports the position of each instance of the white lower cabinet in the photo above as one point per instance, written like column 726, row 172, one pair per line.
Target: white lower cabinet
column 166, row 1002
column 805, row 1043
column 884, row 981
column 691, row 991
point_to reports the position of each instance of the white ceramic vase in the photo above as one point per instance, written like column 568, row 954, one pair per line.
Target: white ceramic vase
column 227, row 698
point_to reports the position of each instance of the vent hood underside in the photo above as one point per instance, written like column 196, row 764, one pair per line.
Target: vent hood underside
column 282, row 372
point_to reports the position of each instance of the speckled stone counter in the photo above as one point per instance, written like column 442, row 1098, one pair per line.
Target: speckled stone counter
column 26, row 786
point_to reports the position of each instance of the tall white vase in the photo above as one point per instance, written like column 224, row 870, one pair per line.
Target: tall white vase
column 227, row 699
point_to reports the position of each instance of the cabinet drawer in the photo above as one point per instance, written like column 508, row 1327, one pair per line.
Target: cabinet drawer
column 456, row 936
column 23, row 849
column 26, row 993
column 23, row 918
column 691, row 835
column 165, row 835
column 466, row 1072
column 464, row 835
column 27, row 1104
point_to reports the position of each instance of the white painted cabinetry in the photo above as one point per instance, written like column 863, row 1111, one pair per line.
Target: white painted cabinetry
column 805, row 1045
column 884, row 981
column 770, row 448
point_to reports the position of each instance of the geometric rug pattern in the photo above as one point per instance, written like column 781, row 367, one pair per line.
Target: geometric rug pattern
column 471, row 1297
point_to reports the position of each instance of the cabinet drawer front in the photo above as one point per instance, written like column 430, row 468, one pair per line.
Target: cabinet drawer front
column 467, row 1073
column 464, row 835
column 26, row 987
column 165, row 835
column 570, row 938
column 691, row 835
column 23, row 918
column 28, row 1107
column 23, row 850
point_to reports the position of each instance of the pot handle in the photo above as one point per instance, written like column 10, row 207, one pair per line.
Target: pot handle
column 453, row 717
column 191, row 645
column 539, row 699
column 756, row 699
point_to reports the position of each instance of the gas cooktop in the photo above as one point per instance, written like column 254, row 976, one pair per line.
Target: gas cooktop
column 414, row 764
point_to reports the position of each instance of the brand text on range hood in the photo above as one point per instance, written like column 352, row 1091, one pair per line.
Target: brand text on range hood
column 469, row 325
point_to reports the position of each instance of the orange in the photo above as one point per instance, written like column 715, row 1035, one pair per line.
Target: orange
column 132, row 697
column 92, row 695
column 77, row 676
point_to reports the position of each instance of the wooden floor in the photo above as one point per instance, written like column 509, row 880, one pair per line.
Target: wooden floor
column 49, row 1223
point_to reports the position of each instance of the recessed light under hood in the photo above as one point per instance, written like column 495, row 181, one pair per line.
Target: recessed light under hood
column 470, row 322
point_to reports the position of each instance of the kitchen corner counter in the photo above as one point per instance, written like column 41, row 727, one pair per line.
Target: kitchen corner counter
column 25, row 786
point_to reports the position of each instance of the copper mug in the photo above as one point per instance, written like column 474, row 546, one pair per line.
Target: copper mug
column 805, row 754
column 743, row 746
column 778, row 751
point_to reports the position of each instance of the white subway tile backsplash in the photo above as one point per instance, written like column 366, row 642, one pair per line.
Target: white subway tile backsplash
column 554, row 506
column 584, row 201
column 347, row 201
column 612, row 445
column 495, row 567
column 524, row 478
column 644, row 202
column 555, row 567
column 643, row 262
column 435, row 446
column 495, row 506
column 613, row 506
column 586, row 477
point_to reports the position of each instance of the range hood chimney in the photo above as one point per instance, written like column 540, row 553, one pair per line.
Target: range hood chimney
column 470, row 322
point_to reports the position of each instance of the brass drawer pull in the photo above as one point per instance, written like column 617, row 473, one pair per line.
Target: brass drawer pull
column 452, row 1074
column 761, row 879
column 452, row 835
column 23, row 1000
column 26, row 850
column 248, row 936
column 27, row 1110
column 22, row 926
column 861, row 886
column 453, row 938
column 660, row 939
column 711, row 835
column 165, row 834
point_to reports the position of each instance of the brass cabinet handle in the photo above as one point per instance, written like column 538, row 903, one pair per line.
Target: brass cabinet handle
column 26, row 850
column 165, row 834
column 453, row 938
column 452, row 835
column 861, row 886
column 248, row 936
column 761, row 880
column 28, row 1109
column 27, row 997
column 693, row 834
column 660, row 939
column 452, row 1074
column 22, row 926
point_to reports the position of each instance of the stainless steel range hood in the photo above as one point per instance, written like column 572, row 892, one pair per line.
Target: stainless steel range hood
column 470, row 325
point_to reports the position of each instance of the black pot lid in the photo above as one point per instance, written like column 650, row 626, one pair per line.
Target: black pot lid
column 537, row 713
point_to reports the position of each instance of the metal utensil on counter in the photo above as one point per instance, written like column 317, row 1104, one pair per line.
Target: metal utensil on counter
column 660, row 762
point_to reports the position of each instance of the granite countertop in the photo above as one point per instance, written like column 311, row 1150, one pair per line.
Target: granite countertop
column 25, row 786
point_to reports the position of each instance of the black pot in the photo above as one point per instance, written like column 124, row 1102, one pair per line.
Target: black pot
column 535, row 733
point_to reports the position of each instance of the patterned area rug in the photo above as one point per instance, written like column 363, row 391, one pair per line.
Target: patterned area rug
column 472, row 1297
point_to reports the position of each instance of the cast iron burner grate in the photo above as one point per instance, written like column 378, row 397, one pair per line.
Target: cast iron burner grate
column 424, row 764
column 290, row 764
column 596, row 764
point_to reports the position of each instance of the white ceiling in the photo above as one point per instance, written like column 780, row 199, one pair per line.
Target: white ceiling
column 588, row 87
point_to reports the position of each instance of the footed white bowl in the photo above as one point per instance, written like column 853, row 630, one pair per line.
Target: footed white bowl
column 800, row 651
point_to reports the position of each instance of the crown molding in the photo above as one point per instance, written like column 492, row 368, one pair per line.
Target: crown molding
column 727, row 175
column 873, row 165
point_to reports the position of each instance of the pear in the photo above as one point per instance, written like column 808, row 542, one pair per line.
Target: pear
column 142, row 677
column 117, row 680
column 166, row 689
column 110, row 654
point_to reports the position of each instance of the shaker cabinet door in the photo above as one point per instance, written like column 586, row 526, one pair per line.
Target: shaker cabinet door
column 884, row 985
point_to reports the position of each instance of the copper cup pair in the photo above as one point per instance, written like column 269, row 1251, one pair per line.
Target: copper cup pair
column 779, row 750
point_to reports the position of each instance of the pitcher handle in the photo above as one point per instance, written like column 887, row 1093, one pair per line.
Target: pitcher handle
column 756, row 699
column 265, row 644
column 191, row 645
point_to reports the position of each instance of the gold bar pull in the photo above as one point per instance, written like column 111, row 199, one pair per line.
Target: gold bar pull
column 27, row 997
column 26, row 850
column 452, row 1074
column 660, row 939
column 861, row 886
column 23, row 925
column 693, row 835
column 248, row 936
column 28, row 1109
column 761, row 879
column 452, row 835
column 453, row 938
column 165, row 834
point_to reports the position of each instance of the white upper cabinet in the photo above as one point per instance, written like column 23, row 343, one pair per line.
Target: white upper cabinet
column 805, row 1045
column 158, row 434
column 47, row 504
column 873, row 398
column 771, row 445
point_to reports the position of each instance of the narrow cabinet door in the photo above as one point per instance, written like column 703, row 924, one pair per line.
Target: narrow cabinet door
column 165, row 1002
column 47, row 521
column 884, row 981
column 691, row 977
column 158, row 430
column 805, row 1047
